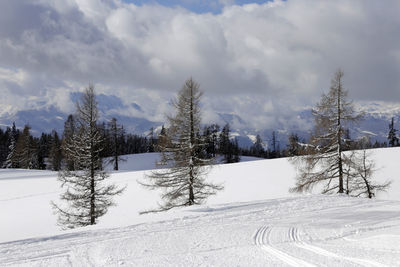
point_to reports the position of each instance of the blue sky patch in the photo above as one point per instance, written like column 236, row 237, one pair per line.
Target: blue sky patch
column 197, row 6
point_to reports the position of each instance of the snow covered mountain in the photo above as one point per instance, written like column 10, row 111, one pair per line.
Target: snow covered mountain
column 44, row 118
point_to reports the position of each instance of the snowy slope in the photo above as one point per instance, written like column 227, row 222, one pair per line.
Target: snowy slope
column 253, row 222
column 147, row 161
column 301, row 231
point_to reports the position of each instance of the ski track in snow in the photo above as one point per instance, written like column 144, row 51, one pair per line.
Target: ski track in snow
column 293, row 232
column 292, row 236
column 262, row 239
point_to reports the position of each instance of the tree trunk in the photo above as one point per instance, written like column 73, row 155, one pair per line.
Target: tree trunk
column 116, row 148
column 92, row 167
column 92, row 205
column 191, row 193
column 365, row 177
column 339, row 137
column 92, row 188
column 116, row 163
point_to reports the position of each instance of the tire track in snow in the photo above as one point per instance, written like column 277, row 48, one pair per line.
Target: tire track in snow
column 262, row 239
column 294, row 237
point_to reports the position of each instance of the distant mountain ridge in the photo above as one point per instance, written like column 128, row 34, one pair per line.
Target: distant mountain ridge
column 377, row 116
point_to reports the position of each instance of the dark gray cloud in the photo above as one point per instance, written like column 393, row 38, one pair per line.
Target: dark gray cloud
column 258, row 61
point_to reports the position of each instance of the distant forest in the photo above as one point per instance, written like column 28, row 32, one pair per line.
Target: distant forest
column 19, row 149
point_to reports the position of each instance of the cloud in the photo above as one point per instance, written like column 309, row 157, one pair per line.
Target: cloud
column 259, row 61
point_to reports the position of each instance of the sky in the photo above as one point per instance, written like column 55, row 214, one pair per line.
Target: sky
column 198, row 6
column 261, row 60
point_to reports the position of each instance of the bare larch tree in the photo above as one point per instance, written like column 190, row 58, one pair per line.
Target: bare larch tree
column 183, row 150
column 360, row 177
column 86, row 196
column 325, row 162
column 361, row 168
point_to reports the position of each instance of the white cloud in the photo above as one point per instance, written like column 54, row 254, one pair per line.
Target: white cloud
column 258, row 61
column 17, row 77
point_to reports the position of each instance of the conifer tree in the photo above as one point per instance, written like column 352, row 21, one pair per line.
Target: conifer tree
column 11, row 156
column 105, row 137
column 36, row 159
column 392, row 136
column 210, row 134
column 225, row 147
column 257, row 148
column 228, row 148
column 5, row 142
column 67, row 141
column 274, row 150
column 43, row 149
column 214, row 130
column 185, row 182
column 359, row 177
column 55, row 153
column 360, row 170
column 293, row 147
column 26, row 150
column 236, row 151
column 208, row 140
column 116, row 132
column 325, row 163
column 86, row 197
column 348, row 143
column 161, row 139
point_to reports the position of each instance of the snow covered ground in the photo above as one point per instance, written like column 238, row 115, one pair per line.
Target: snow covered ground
column 253, row 222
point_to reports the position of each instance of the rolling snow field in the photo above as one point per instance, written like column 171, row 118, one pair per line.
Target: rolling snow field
column 254, row 221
